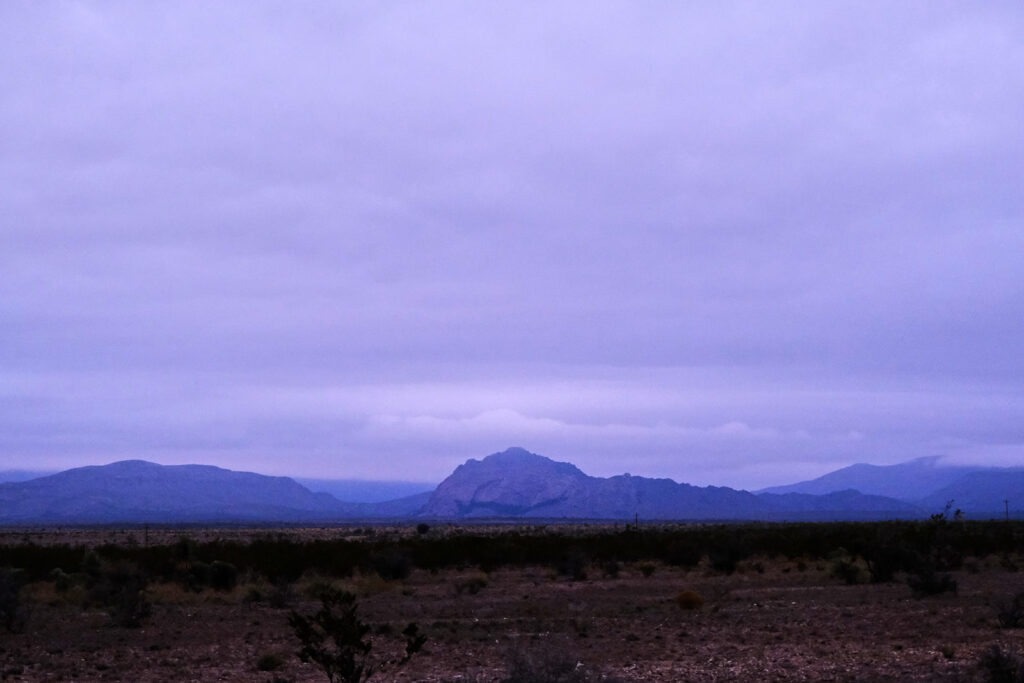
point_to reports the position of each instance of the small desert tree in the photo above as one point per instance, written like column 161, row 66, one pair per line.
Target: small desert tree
column 334, row 638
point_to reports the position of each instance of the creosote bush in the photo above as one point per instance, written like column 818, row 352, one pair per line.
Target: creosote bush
column 883, row 560
column 471, row 585
column 13, row 612
column 846, row 568
column 270, row 662
column 1001, row 666
column 725, row 556
column 282, row 593
column 926, row 581
column 392, row 564
column 573, row 564
column 414, row 641
column 120, row 587
column 689, row 600
column 223, row 576
column 1011, row 615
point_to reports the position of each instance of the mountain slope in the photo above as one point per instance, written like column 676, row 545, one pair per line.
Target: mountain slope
column 849, row 504
column 509, row 484
column 135, row 490
column 981, row 494
column 907, row 481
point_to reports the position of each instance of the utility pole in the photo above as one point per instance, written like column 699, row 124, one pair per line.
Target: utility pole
column 1006, row 502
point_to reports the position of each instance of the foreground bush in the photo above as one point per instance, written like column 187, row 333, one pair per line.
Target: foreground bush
column 1001, row 666
column 334, row 638
column 689, row 600
column 337, row 640
column 13, row 613
column 1012, row 615
column 121, row 589
column 926, row 581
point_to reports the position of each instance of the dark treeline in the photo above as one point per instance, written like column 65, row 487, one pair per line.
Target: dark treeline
column 885, row 547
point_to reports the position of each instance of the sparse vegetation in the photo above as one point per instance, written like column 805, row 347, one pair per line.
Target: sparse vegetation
column 609, row 623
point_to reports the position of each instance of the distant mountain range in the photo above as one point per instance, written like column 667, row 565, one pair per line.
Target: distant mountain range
column 910, row 480
column 927, row 483
column 513, row 484
column 517, row 483
column 138, row 491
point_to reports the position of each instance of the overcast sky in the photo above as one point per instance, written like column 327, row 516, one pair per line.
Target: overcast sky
column 727, row 243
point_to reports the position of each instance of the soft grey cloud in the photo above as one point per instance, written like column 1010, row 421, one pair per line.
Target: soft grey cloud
column 312, row 238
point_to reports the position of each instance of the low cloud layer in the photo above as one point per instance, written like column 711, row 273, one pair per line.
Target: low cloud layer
column 738, row 244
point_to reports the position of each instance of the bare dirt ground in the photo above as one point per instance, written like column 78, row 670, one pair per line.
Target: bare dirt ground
column 772, row 620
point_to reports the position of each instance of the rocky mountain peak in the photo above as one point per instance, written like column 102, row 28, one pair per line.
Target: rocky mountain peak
column 509, row 483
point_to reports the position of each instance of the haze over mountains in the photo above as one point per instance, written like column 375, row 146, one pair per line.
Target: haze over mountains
column 513, row 484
